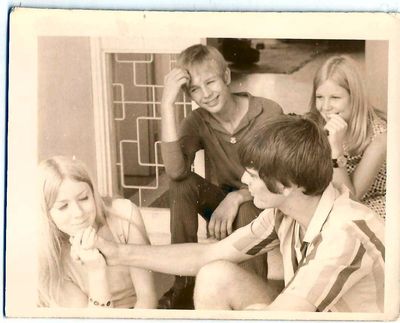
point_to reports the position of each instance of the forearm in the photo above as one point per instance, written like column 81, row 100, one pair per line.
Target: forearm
column 173, row 83
column 99, row 292
column 169, row 130
column 243, row 195
column 147, row 302
column 146, row 294
column 176, row 165
column 340, row 177
column 174, row 160
column 369, row 167
column 178, row 259
column 143, row 280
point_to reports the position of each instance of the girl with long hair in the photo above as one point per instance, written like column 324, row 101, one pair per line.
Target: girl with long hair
column 356, row 131
column 71, row 272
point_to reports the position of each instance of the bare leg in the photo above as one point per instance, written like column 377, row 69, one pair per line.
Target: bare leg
column 224, row 285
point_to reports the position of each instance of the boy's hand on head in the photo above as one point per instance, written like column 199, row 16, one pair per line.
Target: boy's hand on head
column 173, row 83
column 337, row 129
column 220, row 225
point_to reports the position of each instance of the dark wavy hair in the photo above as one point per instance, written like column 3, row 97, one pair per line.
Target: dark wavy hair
column 289, row 149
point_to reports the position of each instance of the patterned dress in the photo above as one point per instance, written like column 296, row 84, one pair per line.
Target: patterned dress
column 375, row 197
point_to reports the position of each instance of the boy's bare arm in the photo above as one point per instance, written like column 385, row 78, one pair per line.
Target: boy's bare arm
column 177, row 259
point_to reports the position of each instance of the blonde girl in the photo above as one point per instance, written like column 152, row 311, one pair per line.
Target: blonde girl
column 71, row 272
column 357, row 131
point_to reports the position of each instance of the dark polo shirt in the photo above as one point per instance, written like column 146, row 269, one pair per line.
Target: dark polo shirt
column 200, row 130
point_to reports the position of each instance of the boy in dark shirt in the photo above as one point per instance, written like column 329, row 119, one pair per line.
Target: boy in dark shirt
column 217, row 126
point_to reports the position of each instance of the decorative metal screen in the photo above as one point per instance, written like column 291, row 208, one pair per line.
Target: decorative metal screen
column 137, row 85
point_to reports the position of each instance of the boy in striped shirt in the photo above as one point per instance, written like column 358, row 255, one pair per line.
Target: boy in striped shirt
column 332, row 247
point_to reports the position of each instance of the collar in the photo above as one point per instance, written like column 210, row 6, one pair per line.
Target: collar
column 322, row 212
column 255, row 108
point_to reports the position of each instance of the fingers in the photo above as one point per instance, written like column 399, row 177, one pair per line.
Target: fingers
column 177, row 76
column 82, row 241
column 226, row 228
column 336, row 122
column 179, row 73
column 173, row 83
column 84, row 251
column 88, row 237
column 223, row 230
column 336, row 126
column 217, row 229
column 102, row 245
column 337, row 129
column 211, row 227
column 229, row 225
column 77, row 238
column 220, row 226
column 108, row 249
column 84, row 238
column 74, row 247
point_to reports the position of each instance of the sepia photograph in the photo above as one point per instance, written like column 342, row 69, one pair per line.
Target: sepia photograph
column 203, row 165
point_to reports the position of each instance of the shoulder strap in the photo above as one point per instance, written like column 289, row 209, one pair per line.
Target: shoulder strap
column 119, row 218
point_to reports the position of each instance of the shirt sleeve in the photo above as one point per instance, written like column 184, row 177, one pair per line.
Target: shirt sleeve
column 336, row 262
column 178, row 156
column 259, row 236
column 271, row 108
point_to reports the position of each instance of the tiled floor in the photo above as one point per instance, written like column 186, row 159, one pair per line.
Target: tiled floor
column 291, row 91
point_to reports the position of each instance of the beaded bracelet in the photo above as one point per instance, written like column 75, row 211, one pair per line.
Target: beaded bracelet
column 96, row 303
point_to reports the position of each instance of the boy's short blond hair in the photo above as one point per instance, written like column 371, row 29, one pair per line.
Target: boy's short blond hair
column 198, row 54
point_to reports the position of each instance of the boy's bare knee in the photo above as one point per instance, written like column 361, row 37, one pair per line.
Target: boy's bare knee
column 215, row 271
column 211, row 280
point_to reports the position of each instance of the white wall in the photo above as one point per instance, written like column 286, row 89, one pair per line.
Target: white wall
column 65, row 113
column 376, row 62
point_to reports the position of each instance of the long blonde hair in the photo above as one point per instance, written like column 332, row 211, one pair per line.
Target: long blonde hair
column 53, row 243
column 344, row 71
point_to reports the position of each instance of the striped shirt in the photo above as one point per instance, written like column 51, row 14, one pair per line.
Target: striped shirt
column 339, row 264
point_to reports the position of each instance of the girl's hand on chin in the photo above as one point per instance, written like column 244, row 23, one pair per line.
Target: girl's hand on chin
column 84, row 239
column 83, row 249
column 337, row 129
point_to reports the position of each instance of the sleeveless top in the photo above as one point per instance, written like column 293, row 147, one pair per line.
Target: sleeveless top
column 375, row 197
column 120, row 282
